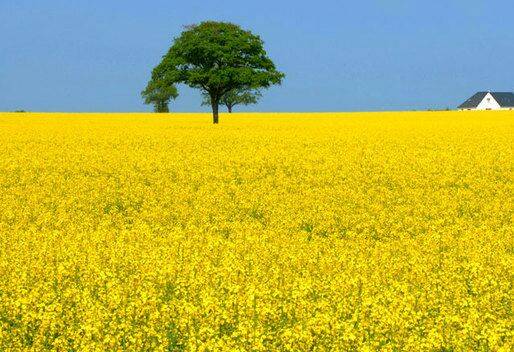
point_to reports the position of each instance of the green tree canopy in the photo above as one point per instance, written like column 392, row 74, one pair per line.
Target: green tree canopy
column 159, row 94
column 242, row 96
column 217, row 57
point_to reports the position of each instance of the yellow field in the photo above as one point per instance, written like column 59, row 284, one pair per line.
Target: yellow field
column 268, row 232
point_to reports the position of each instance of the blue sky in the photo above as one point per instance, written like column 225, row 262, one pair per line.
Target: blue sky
column 96, row 55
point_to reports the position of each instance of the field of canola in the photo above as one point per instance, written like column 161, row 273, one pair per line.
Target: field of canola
column 268, row 232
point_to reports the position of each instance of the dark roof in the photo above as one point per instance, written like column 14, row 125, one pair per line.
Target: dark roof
column 473, row 101
column 505, row 99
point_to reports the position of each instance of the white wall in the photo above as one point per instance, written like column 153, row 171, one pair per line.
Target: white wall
column 489, row 103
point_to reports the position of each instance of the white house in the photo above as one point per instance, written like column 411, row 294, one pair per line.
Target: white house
column 489, row 101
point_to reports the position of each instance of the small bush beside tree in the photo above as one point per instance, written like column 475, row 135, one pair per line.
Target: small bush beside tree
column 159, row 94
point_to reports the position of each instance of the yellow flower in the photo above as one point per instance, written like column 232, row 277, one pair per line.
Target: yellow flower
column 271, row 232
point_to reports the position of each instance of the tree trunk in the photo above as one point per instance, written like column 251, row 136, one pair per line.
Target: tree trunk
column 215, row 109
column 229, row 108
column 161, row 107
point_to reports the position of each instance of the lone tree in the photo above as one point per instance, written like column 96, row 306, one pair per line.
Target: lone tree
column 242, row 96
column 159, row 93
column 217, row 57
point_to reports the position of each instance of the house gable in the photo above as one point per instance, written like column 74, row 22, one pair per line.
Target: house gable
column 488, row 103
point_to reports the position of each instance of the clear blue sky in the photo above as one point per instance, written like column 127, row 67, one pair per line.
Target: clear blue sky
column 96, row 55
